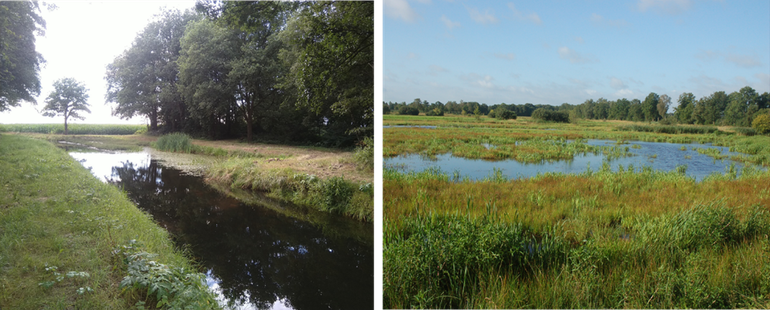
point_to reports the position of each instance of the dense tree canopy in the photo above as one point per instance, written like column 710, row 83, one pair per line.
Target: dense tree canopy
column 68, row 99
column 143, row 80
column 19, row 61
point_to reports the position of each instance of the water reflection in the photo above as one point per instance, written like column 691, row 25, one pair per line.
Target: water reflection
column 255, row 257
column 658, row 156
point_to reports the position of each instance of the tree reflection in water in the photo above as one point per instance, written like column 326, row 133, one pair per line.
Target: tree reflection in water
column 259, row 256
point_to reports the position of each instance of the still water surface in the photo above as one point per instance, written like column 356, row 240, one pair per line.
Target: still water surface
column 658, row 156
column 254, row 257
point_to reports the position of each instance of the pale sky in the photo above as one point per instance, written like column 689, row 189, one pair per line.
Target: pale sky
column 81, row 39
column 552, row 52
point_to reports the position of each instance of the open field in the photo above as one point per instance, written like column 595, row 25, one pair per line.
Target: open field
column 69, row 241
column 630, row 238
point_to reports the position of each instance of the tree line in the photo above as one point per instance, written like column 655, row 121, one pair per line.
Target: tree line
column 738, row 108
column 289, row 71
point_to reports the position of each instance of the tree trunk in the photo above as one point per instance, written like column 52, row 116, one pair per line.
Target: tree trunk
column 65, row 126
column 154, row 120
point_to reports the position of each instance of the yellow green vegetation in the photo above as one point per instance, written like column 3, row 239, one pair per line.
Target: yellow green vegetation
column 527, row 140
column 631, row 238
column 69, row 241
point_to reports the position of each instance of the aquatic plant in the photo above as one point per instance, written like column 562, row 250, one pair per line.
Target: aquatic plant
column 175, row 142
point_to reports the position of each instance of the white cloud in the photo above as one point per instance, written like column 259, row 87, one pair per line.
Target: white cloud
column 600, row 21
column 573, row 56
column 590, row 92
column 518, row 15
column 617, row 83
column 482, row 18
column 509, row 56
column 448, row 23
column 579, row 40
column 400, row 9
column 412, row 56
column 665, row 6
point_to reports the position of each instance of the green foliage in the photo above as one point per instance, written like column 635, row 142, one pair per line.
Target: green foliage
column 175, row 142
column 504, row 114
column 434, row 112
column 143, row 80
column 67, row 99
column 74, row 129
column 407, row 110
column 550, row 116
column 761, row 123
column 19, row 60
column 165, row 286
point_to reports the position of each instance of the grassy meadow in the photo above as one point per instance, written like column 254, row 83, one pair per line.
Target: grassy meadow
column 630, row 238
column 69, row 241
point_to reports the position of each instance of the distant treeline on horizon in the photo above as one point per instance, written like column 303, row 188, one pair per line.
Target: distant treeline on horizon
column 738, row 108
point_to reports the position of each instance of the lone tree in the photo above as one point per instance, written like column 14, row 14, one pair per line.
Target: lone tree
column 68, row 98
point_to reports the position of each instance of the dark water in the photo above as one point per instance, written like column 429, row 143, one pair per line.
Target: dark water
column 255, row 257
column 658, row 156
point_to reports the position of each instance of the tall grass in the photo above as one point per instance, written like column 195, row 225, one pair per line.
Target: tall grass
column 175, row 142
column 74, row 129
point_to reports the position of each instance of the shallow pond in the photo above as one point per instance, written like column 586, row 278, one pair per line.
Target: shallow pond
column 254, row 256
column 658, row 156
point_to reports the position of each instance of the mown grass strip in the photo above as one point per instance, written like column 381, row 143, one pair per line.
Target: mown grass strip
column 54, row 213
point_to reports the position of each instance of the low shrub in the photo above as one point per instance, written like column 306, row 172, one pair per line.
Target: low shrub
column 504, row 114
column 550, row 116
column 406, row 110
column 435, row 112
column 761, row 123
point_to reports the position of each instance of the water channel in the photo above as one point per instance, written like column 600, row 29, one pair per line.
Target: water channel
column 657, row 155
column 254, row 256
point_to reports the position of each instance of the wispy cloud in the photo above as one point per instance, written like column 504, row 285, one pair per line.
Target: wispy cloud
column 509, row 56
column 574, row 57
column 600, row 21
column 743, row 61
column 448, row 23
column 518, row 15
column 435, row 70
column 400, row 9
column 617, row 83
column 579, row 40
column 482, row 18
column 671, row 7
column 411, row 55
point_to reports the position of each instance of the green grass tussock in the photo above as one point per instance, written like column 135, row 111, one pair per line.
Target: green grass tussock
column 182, row 143
column 75, row 129
column 60, row 230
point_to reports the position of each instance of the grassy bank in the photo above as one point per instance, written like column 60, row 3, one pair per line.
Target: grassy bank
column 68, row 240
column 292, row 176
column 630, row 239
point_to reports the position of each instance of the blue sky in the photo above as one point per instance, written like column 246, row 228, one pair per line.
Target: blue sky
column 552, row 52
